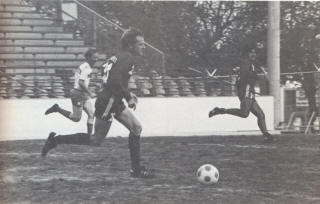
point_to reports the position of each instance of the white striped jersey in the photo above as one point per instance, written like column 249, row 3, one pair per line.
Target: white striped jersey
column 84, row 73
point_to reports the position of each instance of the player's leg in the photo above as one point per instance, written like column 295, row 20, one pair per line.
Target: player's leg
column 88, row 108
column 242, row 112
column 77, row 99
column 53, row 141
column 258, row 112
column 127, row 118
column 101, row 128
column 49, row 144
column 74, row 116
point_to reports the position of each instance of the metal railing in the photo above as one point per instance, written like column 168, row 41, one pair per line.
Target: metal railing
column 35, row 85
column 58, row 86
column 98, row 30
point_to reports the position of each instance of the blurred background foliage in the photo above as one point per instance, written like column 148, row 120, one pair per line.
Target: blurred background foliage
column 212, row 34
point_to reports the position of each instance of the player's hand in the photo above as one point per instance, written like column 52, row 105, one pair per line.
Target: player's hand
column 104, row 116
column 113, row 59
column 134, row 97
column 264, row 70
column 132, row 103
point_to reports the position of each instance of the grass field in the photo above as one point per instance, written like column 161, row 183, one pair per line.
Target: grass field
column 251, row 171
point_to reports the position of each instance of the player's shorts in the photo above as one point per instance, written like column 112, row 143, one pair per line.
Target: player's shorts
column 78, row 98
column 249, row 92
column 110, row 106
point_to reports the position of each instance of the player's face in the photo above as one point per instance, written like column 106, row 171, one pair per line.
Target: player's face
column 139, row 46
column 252, row 54
column 93, row 59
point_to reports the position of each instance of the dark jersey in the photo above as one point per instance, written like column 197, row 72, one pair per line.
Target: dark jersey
column 116, row 77
column 247, row 79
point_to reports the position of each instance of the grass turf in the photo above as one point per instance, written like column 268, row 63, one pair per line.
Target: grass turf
column 251, row 171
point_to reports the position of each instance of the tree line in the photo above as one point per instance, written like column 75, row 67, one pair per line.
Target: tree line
column 211, row 34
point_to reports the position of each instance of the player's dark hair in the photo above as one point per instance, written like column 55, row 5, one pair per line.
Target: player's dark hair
column 129, row 37
column 89, row 53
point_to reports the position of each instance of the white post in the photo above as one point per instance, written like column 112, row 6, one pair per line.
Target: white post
column 274, row 56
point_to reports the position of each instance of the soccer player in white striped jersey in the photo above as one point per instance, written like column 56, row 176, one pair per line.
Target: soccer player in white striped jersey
column 80, row 94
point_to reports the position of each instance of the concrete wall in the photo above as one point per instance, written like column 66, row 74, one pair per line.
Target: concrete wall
column 25, row 119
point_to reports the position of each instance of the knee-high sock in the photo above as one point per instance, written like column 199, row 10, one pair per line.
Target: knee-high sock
column 262, row 125
column 65, row 113
column 89, row 128
column 78, row 138
column 134, row 147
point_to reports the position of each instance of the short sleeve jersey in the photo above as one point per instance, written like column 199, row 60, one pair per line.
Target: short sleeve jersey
column 116, row 77
column 247, row 79
column 82, row 73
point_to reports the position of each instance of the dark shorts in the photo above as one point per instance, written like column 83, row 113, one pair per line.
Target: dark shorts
column 108, row 105
column 78, row 98
column 249, row 92
column 248, row 101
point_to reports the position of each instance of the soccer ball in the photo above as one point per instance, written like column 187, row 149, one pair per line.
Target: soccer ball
column 208, row 174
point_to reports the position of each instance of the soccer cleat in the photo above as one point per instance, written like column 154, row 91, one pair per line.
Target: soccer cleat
column 53, row 109
column 214, row 112
column 50, row 144
column 267, row 137
column 143, row 173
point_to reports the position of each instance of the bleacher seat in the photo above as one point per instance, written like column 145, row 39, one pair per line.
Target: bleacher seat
column 11, row 93
column 3, row 91
column 132, row 83
column 30, row 28
column 159, row 91
column 213, row 91
column 145, row 92
column 15, row 8
column 28, row 92
column 58, row 91
column 34, row 43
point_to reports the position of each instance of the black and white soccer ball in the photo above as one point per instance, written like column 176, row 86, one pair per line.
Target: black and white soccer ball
column 208, row 174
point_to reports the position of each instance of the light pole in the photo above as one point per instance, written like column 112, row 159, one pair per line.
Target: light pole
column 274, row 56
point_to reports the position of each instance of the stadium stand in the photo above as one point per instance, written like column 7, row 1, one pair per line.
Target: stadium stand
column 37, row 59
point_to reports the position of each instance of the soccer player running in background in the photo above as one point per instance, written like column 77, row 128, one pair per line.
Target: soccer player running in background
column 80, row 94
column 245, row 89
column 109, row 104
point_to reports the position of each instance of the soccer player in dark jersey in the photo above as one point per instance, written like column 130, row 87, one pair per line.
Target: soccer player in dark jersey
column 109, row 104
column 246, row 81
